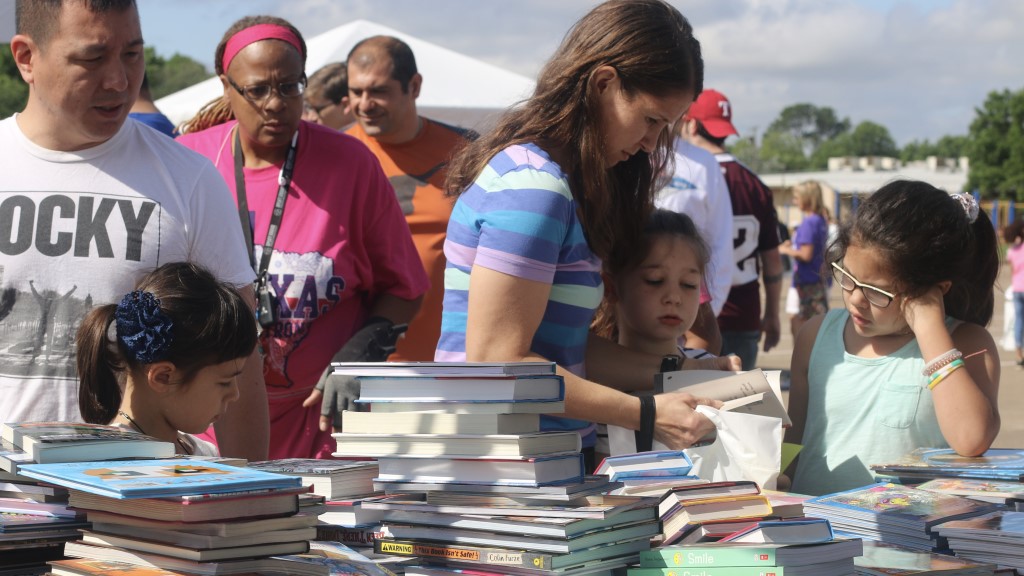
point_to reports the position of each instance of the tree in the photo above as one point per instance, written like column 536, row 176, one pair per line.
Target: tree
column 945, row 147
column 13, row 90
column 996, row 146
column 809, row 125
column 867, row 139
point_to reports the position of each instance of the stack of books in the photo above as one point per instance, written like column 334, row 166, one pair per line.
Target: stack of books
column 753, row 558
column 999, row 492
column 893, row 513
column 686, row 509
column 927, row 463
column 884, row 559
column 996, row 537
column 469, row 478
column 194, row 516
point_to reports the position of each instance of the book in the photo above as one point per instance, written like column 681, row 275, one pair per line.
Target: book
column 461, row 388
column 350, row 513
column 602, row 567
column 227, row 529
column 467, row 494
column 977, row 489
column 998, row 525
column 455, row 407
column 137, row 558
column 926, row 463
column 456, row 445
column 598, row 507
column 82, row 567
column 748, row 391
column 804, row 531
column 196, row 507
column 732, row 554
column 438, row 423
column 12, row 523
column 197, row 555
column 430, row 368
column 521, row 541
column 359, row 536
column 656, row 463
column 329, row 478
column 506, row 558
column 714, row 530
column 547, row 526
column 203, row 541
column 678, row 516
column 47, row 442
column 32, row 489
column 156, row 478
column 884, row 559
column 843, row 566
column 537, row 471
column 30, row 506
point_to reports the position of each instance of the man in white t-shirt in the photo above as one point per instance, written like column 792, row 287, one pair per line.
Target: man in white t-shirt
column 90, row 202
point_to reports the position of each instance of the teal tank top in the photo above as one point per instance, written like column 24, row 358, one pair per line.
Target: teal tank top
column 861, row 411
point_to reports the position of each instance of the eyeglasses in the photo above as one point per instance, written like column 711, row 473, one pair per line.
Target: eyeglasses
column 875, row 296
column 260, row 93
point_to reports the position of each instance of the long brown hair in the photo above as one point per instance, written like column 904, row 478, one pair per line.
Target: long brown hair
column 652, row 48
column 217, row 111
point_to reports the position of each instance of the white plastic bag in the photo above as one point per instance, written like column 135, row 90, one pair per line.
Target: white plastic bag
column 748, row 447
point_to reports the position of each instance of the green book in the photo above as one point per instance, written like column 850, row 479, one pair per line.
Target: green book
column 729, row 554
column 844, row 566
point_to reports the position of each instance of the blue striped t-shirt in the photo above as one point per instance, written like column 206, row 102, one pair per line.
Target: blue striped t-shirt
column 519, row 218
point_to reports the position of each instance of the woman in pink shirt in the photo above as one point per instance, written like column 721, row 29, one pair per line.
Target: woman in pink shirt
column 1014, row 236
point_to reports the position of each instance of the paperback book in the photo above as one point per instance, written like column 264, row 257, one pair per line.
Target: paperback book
column 216, row 568
column 656, row 464
column 461, row 388
column 438, row 423
column 459, row 493
column 456, row 407
column 224, row 529
column 1000, row 492
column 884, row 559
column 197, row 555
column 733, row 554
column 456, row 445
column 598, row 507
column 432, row 368
column 540, row 471
column 678, row 516
column 156, row 478
column 47, row 442
column 926, row 463
column 534, row 526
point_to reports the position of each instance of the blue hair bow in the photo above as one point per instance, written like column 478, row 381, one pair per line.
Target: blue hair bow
column 143, row 328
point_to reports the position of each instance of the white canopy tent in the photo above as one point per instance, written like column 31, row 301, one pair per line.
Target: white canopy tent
column 456, row 89
column 6, row 20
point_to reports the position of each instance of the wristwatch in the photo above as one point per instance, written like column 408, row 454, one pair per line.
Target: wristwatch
column 671, row 363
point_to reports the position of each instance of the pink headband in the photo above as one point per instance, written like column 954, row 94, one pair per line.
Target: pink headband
column 256, row 33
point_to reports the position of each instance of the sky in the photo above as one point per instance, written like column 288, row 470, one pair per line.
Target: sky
column 917, row 67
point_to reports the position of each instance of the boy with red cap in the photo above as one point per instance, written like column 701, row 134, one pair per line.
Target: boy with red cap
column 755, row 234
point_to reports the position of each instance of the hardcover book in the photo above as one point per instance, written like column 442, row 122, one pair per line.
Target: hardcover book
column 977, row 489
column 456, row 407
column 461, row 388
column 329, row 478
column 656, row 463
column 265, row 503
column 544, row 526
column 506, row 558
column 438, row 423
column 226, row 529
column 540, row 471
column 591, row 507
column 749, row 391
column 679, row 516
column 197, row 555
column 150, row 560
column 156, row 478
column 732, row 554
column 83, row 567
column 203, row 541
column 456, row 445
column 835, row 567
column 884, row 559
column 805, row 531
column 47, row 442
column 520, row 541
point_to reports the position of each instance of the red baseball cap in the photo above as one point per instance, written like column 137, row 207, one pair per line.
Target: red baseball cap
column 714, row 111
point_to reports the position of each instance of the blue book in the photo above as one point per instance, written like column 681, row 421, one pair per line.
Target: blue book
column 156, row 478
column 797, row 531
column 927, row 463
column 656, row 463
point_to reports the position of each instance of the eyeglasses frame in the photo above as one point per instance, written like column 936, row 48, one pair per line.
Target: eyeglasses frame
column 273, row 89
column 862, row 286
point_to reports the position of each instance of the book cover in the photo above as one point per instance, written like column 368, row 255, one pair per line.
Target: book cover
column 843, row 566
column 14, row 523
column 476, row 494
column 540, row 471
column 998, row 525
column 197, row 555
column 499, row 557
column 996, row 464
column 540, row 526
column 805, row 531
column 228, row 529
column 155, row 478
column 438, row 423
column 47, row 442
column 456, row 445
column 678, row 516
column 462, row 388
column 591, row 507
column 137, row 558
column 653, row 463
column 197, row 507
column 522, row 541
column 884, row 559
column 992, row 490
column 894, row 503
column 731, row 554
column 203, row 541
column 748, row 391
column 429, row 368
column 83, row 567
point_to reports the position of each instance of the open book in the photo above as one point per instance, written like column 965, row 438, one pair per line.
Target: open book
column 754, row 391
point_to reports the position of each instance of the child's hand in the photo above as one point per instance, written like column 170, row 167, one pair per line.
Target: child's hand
column 676, row 424
column 730, row 362
column 926, row 312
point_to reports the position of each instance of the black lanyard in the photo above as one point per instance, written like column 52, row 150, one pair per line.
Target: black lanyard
column 284, row 180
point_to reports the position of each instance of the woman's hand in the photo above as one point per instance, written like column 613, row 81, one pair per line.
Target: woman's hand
column 676, row 424
column 926, row 312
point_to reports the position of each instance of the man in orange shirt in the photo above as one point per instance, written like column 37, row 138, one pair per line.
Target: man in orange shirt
column 383, row 85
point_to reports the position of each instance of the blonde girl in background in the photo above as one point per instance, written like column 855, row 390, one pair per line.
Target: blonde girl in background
column 807, row 248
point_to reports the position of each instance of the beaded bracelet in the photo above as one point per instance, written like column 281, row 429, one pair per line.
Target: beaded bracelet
column 943, row 360
column 944, row 372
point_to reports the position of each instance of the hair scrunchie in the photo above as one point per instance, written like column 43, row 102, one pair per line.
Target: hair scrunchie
column 143, row 328
column 969, row 204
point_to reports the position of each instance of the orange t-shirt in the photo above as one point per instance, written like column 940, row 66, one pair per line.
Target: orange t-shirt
column 416, row 170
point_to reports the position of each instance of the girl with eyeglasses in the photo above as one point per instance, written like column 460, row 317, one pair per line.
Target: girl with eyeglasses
column 336, row 265
column 907, row 362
